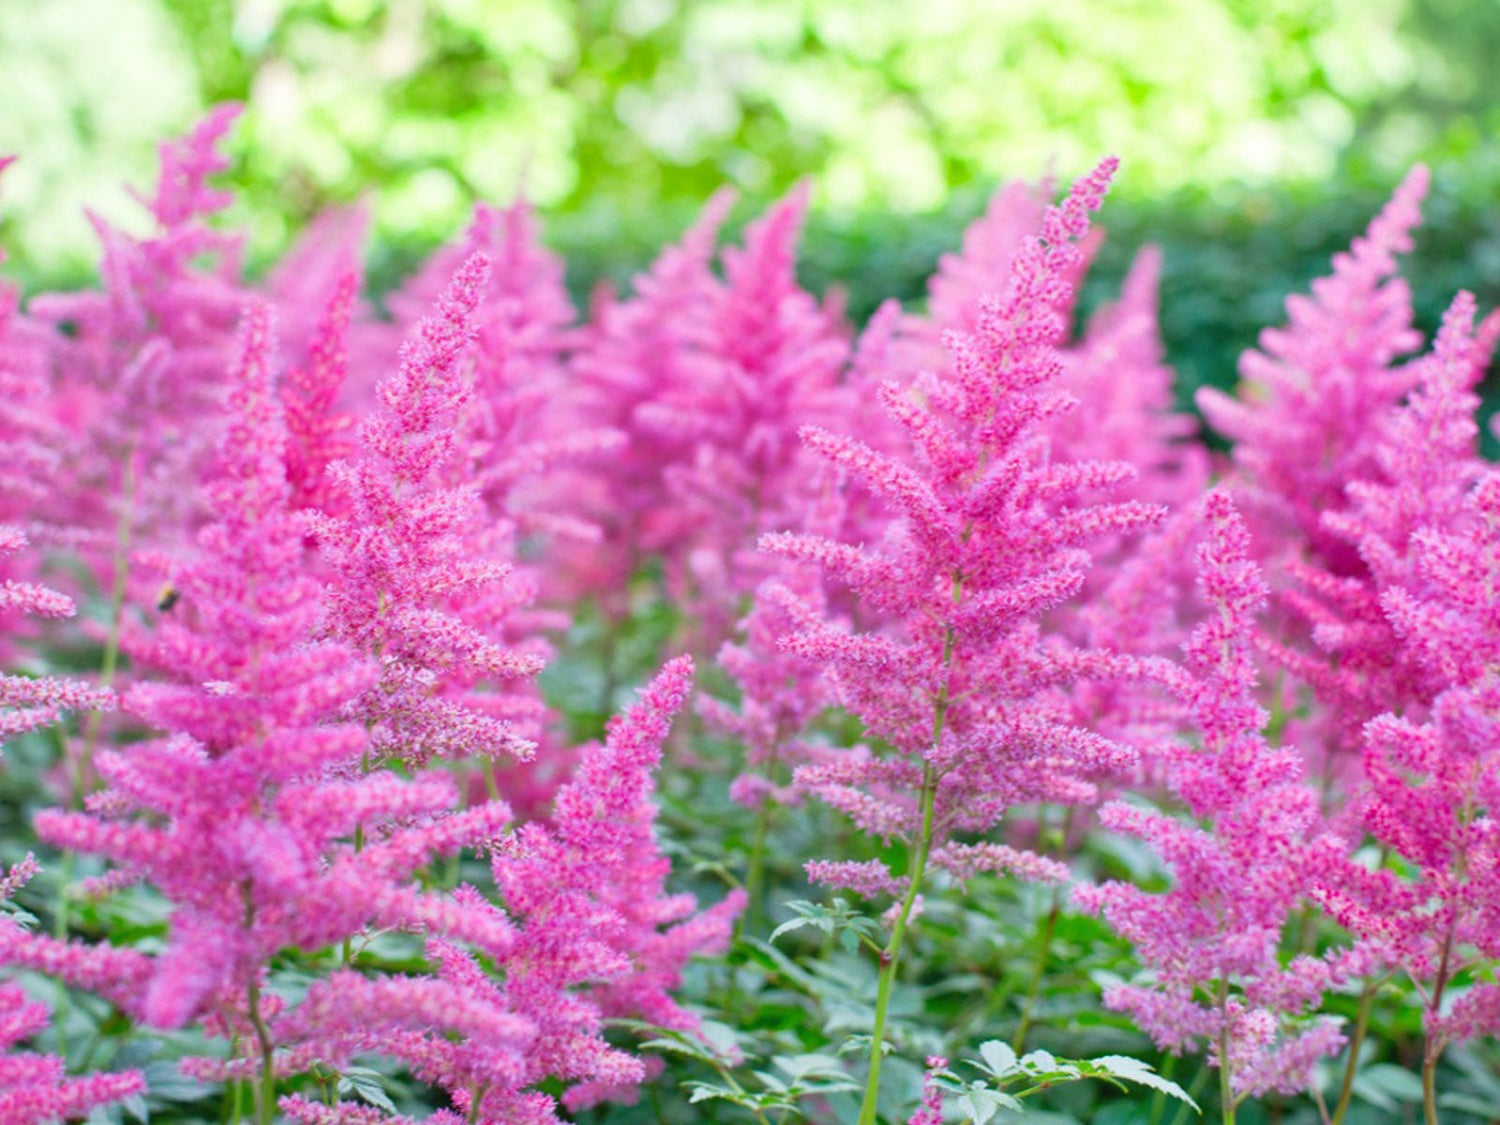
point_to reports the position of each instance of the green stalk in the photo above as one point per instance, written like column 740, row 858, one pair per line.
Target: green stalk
column 890, row 955
column 1226, row 1086
column 1034, row 989
column 1361, row 1026
column 265, row 1090
column 916, row 870
column 1432, row 1049
column 755, row 871
column 123, row 527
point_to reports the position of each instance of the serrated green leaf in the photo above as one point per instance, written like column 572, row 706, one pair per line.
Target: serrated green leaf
column 701, row 1093
column 1039, row 1062
column 679, row 1047
column 800, row 1066
column 999, row 1058
column 1142, row 1074
column 367, row 1084
column 788, row 926
column 982, row 1104
column 1468, row 1103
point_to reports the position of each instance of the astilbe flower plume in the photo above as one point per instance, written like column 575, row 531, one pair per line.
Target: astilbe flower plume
column 35, row 1088
column 319, row 433
column 140, row 366
column 595, row 936
column 988, row 538
column 1314, row 396
column 959, row 689
column 763, row 356
column 1423, row 462
column 240, row 816
column 29, row 434
column 27, row 702
column 635, row 357
column 522, row 423
column 1413, row 654
column 1212, row 941
column 416, row 579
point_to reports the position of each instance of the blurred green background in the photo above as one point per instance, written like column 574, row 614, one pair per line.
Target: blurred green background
column 1256, row 136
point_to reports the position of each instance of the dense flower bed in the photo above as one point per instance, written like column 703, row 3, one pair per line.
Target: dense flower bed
column 978, row 613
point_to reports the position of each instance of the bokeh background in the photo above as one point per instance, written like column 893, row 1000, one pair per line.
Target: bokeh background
column 1257, row 136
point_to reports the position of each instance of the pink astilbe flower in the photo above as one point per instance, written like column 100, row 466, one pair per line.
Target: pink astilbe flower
column 1417, row 665
column 778, row 699
column 28, row 428
column 931, row 1111
column 27, row 703
column 595, row 936
column 415, row 579
column 37, row 1088
column 318, row 432
column 777, row 358
column 715, row 443
column 303, row 284
column 140, row 367
column 521, row 423
column 1125, row 410
column 1124, row 389
column 959, row 686
column 241, row 816
column 1212, row 940
column 1316, row 393
column 636, row 356
column 1423, row 464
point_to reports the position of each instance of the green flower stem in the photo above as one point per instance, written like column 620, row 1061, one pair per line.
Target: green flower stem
column 1361, row 1026
column 890, row 955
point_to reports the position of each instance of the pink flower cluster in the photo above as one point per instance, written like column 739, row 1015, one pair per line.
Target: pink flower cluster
column 325, row 554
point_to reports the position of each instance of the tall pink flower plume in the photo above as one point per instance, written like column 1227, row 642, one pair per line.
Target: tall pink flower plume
column 1212, row 941
column 416, row 579
column 712, row 408
column 140, row 366
column 989, row 536
column 240, row 816
column 594, row 935
column 1316, row 392
column 1412, row 655
column 36, row 1088
column 27, row 702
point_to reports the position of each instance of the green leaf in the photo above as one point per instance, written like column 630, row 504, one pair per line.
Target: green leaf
column 999, row 1059
column 1386, row 1085
column 688, row 1047
column 1040, row 1062
column 1468, row 1103
column 982, row 1103
column 1142, row 1074
column 367, row 1084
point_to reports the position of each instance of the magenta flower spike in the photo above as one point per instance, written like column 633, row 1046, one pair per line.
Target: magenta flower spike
column 593, row 934
column 955, row 685
column 36, row 1088
column 141, row 369
column 26, row 702
column 1212, row 941
column 415, row 578
column 1317, row 391
column 1407, row 663
column 241, row 816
